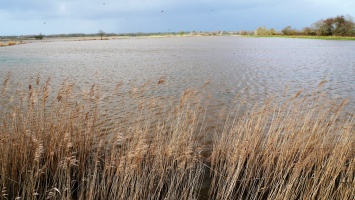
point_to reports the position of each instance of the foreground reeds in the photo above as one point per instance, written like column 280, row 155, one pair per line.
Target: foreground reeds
column 291, row 149
column 53, row 146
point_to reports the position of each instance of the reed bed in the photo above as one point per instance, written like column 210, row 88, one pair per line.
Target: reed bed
column 53, row 146
column 10, row 43
column 295, row 148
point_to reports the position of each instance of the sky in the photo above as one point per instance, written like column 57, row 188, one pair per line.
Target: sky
column 26, row 17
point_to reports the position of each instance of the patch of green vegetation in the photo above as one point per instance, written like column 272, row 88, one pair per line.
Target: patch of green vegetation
column 333, row 28
column 182, row 33
column 39, row 37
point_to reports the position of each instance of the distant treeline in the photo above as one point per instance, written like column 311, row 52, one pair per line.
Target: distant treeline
column 333, row 26
column 104, row 34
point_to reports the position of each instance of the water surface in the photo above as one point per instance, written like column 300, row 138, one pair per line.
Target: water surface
column 254, row 67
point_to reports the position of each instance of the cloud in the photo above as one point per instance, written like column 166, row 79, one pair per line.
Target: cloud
column 163, row 15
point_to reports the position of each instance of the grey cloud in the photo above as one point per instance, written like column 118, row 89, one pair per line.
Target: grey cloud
column 147, row 15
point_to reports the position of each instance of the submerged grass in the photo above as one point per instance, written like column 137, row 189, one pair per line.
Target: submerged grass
column 52, row 147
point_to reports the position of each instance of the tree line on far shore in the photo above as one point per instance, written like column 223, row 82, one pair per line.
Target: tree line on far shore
column 333, row 26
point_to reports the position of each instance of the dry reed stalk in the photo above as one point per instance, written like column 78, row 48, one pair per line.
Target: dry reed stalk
column 5, row 83
column 161, row 80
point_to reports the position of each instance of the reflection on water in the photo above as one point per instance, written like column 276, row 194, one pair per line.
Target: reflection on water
column 253, row 67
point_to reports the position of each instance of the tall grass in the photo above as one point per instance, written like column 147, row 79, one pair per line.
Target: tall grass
column 53, row 146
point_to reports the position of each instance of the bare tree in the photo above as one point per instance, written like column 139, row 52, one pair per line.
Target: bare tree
column 101, row 33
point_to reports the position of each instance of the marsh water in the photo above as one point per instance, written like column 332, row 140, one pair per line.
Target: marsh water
column 252, row 67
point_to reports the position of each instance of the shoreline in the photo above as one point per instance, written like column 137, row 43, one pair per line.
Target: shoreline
column 306, row 37
column 12, row 42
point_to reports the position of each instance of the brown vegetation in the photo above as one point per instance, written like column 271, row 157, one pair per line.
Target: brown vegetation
column 293, row 149
column 52, row 146
column 10, row 43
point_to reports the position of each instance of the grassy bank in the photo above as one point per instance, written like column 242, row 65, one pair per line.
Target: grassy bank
column 309, row 37
column 53, row 146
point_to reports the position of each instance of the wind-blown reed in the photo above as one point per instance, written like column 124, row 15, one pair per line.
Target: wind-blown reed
column 296, row 148
column 53, row 146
